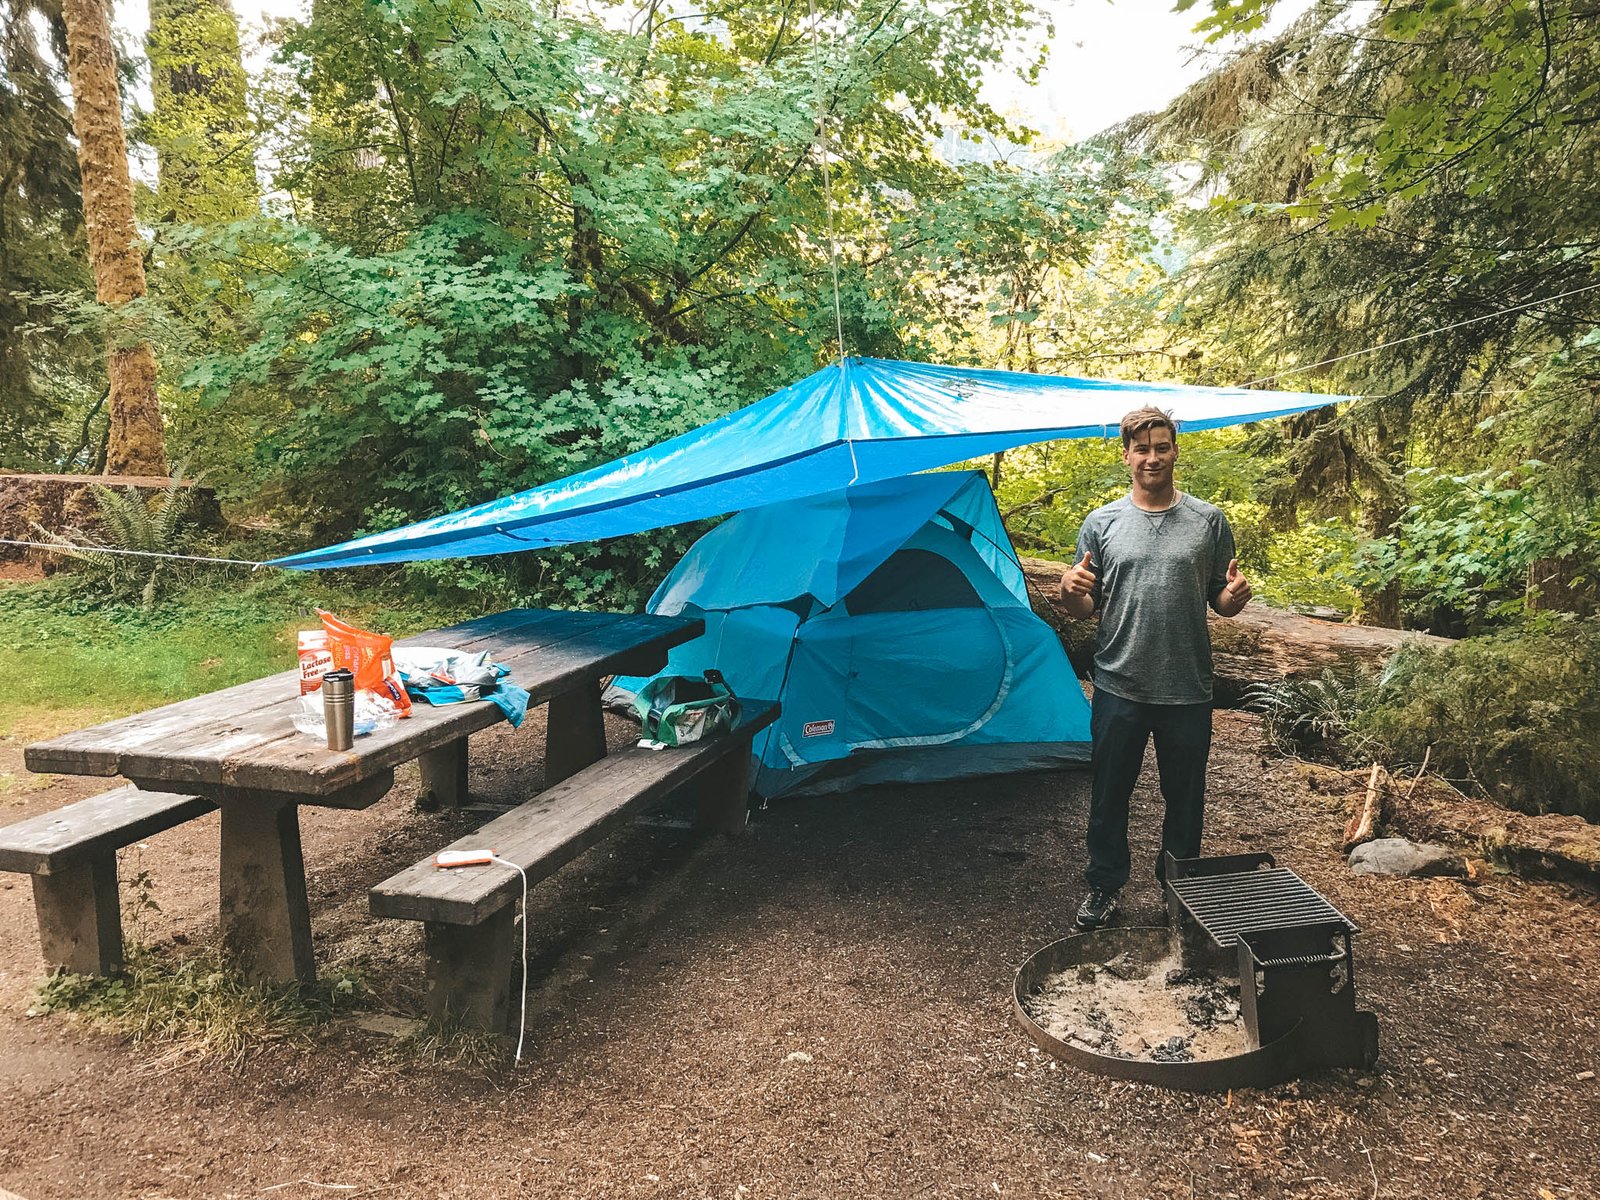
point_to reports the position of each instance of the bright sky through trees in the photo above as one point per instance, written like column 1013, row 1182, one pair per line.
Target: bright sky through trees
column 1109, row 59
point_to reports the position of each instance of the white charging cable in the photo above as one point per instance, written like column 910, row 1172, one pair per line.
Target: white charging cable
column 522, row 1019
column 451, row 859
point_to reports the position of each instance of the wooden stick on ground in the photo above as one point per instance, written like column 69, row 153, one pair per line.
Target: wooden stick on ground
column 1421, row 771
column 1363, row 827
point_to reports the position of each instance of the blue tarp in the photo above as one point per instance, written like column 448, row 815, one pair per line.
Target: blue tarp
column 891, row 620
column 857, row 421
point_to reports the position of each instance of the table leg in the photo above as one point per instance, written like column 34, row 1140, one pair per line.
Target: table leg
column 266, row 922
column 576, row 733
column 80, row 919
column 444, row 776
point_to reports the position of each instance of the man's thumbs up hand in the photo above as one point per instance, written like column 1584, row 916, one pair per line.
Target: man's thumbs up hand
column 1079, row 579
column 1236, row 592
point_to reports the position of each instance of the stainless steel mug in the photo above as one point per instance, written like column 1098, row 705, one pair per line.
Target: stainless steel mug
column 339, row 708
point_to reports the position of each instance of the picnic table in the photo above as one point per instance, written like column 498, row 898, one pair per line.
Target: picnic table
column 238, row 749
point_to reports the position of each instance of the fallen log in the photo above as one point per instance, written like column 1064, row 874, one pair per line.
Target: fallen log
column 1546, row 846
column 62, row 503
column 1260, row 645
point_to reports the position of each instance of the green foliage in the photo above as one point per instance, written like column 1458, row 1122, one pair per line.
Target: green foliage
column 437, row 375
column 1472, row 90
column 48, row 380
column 1046, row 491
column 199, row 126
column 1514, row 716
column 1310, row 566
column 194, row 1007
column 1404, row 199
column 129, row 521
column 1465, row 544
column 527, row 242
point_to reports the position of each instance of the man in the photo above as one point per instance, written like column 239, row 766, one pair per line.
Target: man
column 1149, row 563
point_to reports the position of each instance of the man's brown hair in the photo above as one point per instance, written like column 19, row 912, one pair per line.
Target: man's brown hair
column 1141, row 419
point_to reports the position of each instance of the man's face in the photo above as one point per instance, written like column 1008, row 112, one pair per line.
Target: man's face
column 1150, row 457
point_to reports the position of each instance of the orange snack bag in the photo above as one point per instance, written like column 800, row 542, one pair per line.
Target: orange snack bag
column 368, row 656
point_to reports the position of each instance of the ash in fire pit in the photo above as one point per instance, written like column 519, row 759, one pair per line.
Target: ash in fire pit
column 1137, row 1007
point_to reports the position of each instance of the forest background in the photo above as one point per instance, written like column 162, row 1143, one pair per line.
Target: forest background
column 441, row 250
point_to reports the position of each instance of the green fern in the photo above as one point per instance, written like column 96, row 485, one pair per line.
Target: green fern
column 130, row 521
column 1314, row 718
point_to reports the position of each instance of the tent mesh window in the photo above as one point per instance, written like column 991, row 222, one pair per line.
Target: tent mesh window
column 912, row 581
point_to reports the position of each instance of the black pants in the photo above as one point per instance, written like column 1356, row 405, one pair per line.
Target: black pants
column 1121, row 729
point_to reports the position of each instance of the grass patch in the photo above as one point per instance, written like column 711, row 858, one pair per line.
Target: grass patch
column 468, row 1049
column 65, row 648
column 194, row 1007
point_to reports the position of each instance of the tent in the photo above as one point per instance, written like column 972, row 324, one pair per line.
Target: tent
column 859, row 420
column 891, row 620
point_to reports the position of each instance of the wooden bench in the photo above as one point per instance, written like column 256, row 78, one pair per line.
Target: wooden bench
column 468, row 912
column 72, row 855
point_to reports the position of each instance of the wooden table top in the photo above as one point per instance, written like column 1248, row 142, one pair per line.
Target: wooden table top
column 243, row 736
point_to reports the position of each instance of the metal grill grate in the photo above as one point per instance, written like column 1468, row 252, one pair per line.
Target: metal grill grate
column 1226, row 905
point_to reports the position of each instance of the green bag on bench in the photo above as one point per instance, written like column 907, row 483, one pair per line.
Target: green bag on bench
column 676, row 710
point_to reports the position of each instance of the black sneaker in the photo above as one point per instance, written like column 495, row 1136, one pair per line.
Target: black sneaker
column 1098, row 907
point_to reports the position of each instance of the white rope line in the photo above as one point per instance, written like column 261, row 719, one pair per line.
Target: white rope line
column 73, row 548
column 827, row 178
column 1425, row 333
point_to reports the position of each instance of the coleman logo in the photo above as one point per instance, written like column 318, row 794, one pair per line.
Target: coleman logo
column 816, row 729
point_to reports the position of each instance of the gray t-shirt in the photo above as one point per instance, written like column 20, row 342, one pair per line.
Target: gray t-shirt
column 1155, row 573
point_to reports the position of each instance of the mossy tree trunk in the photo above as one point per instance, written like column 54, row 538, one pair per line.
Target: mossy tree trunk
column 138, row 445
column 1381, row 467
column 1380, row 606
column 200, row 127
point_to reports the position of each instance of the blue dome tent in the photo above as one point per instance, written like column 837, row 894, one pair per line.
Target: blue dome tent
column 891, row 620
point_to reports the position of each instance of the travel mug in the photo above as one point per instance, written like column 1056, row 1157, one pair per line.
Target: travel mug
column 339, row 708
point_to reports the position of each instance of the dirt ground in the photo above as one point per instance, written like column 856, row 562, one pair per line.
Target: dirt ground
column 820, row 1008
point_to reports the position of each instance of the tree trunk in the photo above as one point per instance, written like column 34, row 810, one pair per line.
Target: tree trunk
column 138, row 446
column 200, row 126
column 1562, row 585
column 1381, row 606
column 1383, row 472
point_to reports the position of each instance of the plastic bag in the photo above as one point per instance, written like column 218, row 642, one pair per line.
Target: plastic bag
column 372, row 713
column 369, row 657
column 380, row 696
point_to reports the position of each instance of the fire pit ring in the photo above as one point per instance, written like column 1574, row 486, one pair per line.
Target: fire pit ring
column 1276, row 1062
